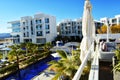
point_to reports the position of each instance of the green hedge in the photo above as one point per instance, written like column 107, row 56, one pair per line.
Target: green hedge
column 9, row 68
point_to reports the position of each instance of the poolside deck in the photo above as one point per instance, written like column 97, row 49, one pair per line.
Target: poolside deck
column 44, row 76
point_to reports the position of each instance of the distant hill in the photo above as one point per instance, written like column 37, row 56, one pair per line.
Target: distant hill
column 4, row 35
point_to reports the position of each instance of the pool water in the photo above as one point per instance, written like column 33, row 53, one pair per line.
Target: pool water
column 29, row 72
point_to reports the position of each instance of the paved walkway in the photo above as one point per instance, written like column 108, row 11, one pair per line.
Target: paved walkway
column 105, row 71
column 44, row 76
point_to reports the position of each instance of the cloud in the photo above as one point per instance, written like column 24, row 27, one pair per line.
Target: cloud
column 5, row 30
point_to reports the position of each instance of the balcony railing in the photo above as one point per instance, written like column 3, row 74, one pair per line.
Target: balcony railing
column 94, row 66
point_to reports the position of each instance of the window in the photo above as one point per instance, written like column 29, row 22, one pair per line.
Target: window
column 24, row 28
column 62, row 32
column 66, row 28
column 32, row 32
column 41, row 40
column 47, row 27
column 47, row 32
column 79, row 32
column 119, row 20
column 46, row 20
column 16, row 30
column 24, row 34
column 66, row 32
column 114, row 20
column 39, row 33
column 62, row 27
column 38, row 40
column 39, row 27
column 16, row 24
column 65, row 24
column 31, row 22
column 69, row 23
column 23, row 23
column 27, row 34
column 38, row 21
column 61, row 24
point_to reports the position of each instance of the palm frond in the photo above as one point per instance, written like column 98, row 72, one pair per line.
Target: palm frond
column 56, row 76
column 62, row 54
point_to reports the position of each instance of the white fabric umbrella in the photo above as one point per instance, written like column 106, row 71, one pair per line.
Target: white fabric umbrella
column 88, row 29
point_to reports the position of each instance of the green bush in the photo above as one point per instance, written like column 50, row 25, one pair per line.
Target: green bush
column 117, row 54
column 117, row 66
column 9, row 68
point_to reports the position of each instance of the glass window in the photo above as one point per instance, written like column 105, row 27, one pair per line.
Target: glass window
column 46, row 20
column 39, row 27
column 16, row 30
column 69, row 23
column 47, row 32
column 62, row 32
column 79, row 32
column 16, row 24
column 41, row 40
column 66, row 28
column 26, row 27
column 47, row 27
column 119, row 20
column 23, row 23
column 61, row 24
column 24, row 34
column 27, row 34
column 62, row 27
column 78, row 27
column 39, row 33
column 38, row 21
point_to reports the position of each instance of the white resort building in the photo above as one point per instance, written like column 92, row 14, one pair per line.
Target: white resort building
column 111, row 21
column 73, row 28
column 38, row 29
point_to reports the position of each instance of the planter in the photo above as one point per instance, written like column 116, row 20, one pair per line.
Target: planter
column 116, row 74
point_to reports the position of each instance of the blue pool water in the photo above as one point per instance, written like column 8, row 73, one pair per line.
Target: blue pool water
column 32, row 70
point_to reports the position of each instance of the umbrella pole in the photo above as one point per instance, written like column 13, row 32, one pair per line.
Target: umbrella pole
column 107, row 32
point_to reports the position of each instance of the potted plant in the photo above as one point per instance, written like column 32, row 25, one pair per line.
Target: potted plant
column 116, row 65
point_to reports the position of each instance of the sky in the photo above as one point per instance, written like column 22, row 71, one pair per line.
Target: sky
column 11, row 10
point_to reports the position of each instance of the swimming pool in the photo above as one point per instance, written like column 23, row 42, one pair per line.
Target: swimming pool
column 29, row 72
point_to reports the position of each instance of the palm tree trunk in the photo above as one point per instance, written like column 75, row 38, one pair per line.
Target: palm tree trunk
column 18, row 68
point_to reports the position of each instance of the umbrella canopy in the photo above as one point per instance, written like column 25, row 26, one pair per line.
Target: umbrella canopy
column 88, row 29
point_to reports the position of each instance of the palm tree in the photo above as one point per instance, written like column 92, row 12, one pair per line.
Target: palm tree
column 47, row 46
column 16, row 51
column 27, row 46
column 66, row 67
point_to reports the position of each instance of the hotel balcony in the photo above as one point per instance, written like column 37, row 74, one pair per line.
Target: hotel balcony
column 101, row 64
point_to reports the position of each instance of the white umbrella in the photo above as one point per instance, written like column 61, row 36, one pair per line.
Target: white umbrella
column 88, row 29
